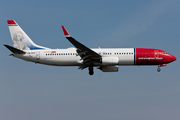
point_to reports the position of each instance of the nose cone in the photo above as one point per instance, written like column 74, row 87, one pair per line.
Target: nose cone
column 173, row 58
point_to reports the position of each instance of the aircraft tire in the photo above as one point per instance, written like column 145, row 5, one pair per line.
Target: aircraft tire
column 158, row 69
column 91, row 72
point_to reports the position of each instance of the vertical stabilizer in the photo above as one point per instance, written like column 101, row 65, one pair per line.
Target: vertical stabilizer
column 20, row 39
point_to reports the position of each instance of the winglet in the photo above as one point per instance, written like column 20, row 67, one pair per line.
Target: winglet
column 11, row 22
column 65, row 32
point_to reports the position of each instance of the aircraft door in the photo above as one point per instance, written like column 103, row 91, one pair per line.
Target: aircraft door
column 156, row 54
column 38, row 55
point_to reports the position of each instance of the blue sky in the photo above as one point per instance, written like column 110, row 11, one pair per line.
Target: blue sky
column 33, row 91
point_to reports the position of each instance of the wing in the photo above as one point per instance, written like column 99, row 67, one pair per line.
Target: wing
column 87, row 55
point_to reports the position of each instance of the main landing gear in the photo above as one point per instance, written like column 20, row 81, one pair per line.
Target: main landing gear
column 91, row 72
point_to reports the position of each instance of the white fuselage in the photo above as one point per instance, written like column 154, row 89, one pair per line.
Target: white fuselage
column 69, row 57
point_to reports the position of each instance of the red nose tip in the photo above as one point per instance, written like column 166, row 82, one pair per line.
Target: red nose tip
column 173, row 58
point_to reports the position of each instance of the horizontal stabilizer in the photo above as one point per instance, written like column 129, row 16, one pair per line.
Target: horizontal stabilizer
column 14, row 50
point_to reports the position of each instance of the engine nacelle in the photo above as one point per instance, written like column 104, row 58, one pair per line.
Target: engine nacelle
column 109, row 68
column 110, row 60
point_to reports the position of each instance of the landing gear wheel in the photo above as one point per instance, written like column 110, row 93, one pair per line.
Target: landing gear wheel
column 91, row 72
column 158, row 69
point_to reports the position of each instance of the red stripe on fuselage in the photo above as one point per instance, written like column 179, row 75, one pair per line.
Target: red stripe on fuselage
column 147, row 56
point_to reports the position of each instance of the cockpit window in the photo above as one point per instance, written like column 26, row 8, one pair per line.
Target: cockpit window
column 165, row 53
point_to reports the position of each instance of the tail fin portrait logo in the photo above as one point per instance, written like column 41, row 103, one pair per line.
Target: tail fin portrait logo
column 18, row 41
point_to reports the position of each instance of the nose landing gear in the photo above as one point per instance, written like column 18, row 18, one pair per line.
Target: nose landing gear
column 159, row 69
column 161, row 65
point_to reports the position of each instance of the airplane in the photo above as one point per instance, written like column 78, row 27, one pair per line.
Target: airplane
column 105, row 59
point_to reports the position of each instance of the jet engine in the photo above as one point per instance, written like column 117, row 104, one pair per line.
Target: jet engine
column 109, row 68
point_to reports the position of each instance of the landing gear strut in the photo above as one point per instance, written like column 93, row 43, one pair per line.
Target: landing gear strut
column 159, row 69
column 91, row 72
